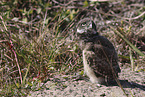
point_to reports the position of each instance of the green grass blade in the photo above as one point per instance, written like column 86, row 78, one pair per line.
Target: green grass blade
column 23, row 82
column 128, row 42
column 131, row 60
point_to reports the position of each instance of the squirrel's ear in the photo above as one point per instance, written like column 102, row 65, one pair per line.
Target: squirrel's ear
column 94, row 26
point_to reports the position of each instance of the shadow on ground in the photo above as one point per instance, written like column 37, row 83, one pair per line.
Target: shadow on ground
column 127, row 84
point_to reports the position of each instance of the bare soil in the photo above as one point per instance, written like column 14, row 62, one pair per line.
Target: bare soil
column 133, row 83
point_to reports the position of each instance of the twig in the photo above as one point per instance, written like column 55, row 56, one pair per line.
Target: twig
column 136, row 17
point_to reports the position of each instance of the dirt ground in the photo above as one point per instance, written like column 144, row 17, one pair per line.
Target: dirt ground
column 133, row 83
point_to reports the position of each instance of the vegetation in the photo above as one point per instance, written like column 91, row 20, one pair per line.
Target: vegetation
column 38, row 40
